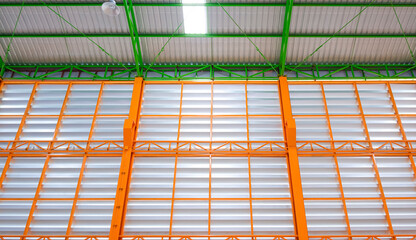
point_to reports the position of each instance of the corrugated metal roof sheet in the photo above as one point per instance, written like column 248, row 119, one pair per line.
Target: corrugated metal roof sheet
column 328, row 20
column 54, row 50
column 343, row 50
column 210, row 50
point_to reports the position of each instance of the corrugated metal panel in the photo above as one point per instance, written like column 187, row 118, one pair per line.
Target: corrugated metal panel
column 341, row 50
column 39, row 20
column 250, row 19
column 159, row 19
column 80, row 50
column 351, row 1
column 210, row 50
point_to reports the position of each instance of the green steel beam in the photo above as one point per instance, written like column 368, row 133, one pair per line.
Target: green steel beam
column 236, row 4
column 209, row 72
column 134, row 34
column 285, row 36
column 213, row 35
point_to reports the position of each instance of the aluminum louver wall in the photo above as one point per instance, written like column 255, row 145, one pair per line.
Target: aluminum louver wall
column 209, row 160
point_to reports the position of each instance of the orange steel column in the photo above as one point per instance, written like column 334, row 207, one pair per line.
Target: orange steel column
column 294, row 178
column 129, row 130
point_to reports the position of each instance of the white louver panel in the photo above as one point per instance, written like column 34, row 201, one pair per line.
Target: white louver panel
column 230, row 177
column 266, row 129
column 409, row 127
column 229, row 129
column 367, row 217
column 383, row 128
column 312, row 129
column 161, row 99
column 14, row 98
column 397, row 176
column 196, row 99
column 192, row 177
column 74, row 128
column 22, row 177
column 325, row 218
column 3, row 161
column 50, row 218
column 230, row 217
column 48, row 99
column 405, row 97
column 39, row 128
column 92, row 217
column 272, row 217
column 100, row 177
column 148, row 217
column 229, row 99
column 154, row 129
column 152, row 177
column 306, row 100
column 13, row 216
column 341, row 99
column 190, row 216
column 319, row 177
column 269, row 177
column 195, row 129
column 263, row 99
column 8, row 128
column 82, row 99
column 108, row 128
column 375, row 99
column 115, row 99
column 348, row 129
column 61, row 177
column 358, row 177
column 402, row 215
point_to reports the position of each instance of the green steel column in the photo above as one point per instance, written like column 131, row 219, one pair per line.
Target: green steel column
column 285, row 36
column 2, row 67
column 134, row 34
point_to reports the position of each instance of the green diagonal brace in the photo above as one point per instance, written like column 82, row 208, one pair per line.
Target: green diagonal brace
column 134, row 34
column 2, row 67
column 285, row 36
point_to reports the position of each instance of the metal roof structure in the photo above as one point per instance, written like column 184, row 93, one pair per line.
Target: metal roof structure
column 306, row 36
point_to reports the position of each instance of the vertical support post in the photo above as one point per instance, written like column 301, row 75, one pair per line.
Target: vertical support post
column 129, row 131
column 294, row 170
column 285, row 37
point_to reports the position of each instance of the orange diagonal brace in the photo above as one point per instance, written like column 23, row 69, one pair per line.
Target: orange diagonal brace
column 294, row 170
column 129, row 131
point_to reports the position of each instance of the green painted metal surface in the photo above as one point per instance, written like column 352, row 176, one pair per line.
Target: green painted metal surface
column 285, row 36
column 134, row 34
column 211, row 72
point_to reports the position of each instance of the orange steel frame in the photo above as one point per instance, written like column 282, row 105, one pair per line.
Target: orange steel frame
column 130, row 147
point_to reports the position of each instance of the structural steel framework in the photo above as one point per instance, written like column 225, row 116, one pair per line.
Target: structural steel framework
column 207, row 160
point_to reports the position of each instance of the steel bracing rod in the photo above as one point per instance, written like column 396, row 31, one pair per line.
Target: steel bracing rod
column 285, row 36
column 235, row 4
column 134, row 34
column 209, row 35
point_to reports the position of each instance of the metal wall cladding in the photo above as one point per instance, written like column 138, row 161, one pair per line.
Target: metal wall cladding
column 67, row 50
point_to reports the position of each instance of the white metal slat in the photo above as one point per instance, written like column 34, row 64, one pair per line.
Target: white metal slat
column 263, row 99
column 82, row 99
column 319, row 177
column 190, row 217
column 13, row 216
column 306, row 100
column 108, row 128
column 325, row 217
column 192, row 177
column 409, row 127
column 367, row 217
column 383, row 129
column 41, row 129
column 92, row 217
column 152, row 177
column 230, row 217
column 229, row 99
column 61, row 178
column 115, row 99
column 161, row 99
column 375, row 99
column 196, row 99
column 48, row 99
column 22, row 177
column 272, row 217
column 402, row 215
column 404, row 96
column 72, row 128
column 14, row 98
column 50, row 218
column 397, row 176
column 341, row 99
column 100, row 177
column 8, row 128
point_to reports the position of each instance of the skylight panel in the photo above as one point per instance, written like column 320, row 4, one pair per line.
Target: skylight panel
column 195, row 17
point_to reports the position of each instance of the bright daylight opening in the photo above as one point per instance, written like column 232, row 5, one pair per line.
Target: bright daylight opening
column 195, row 17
